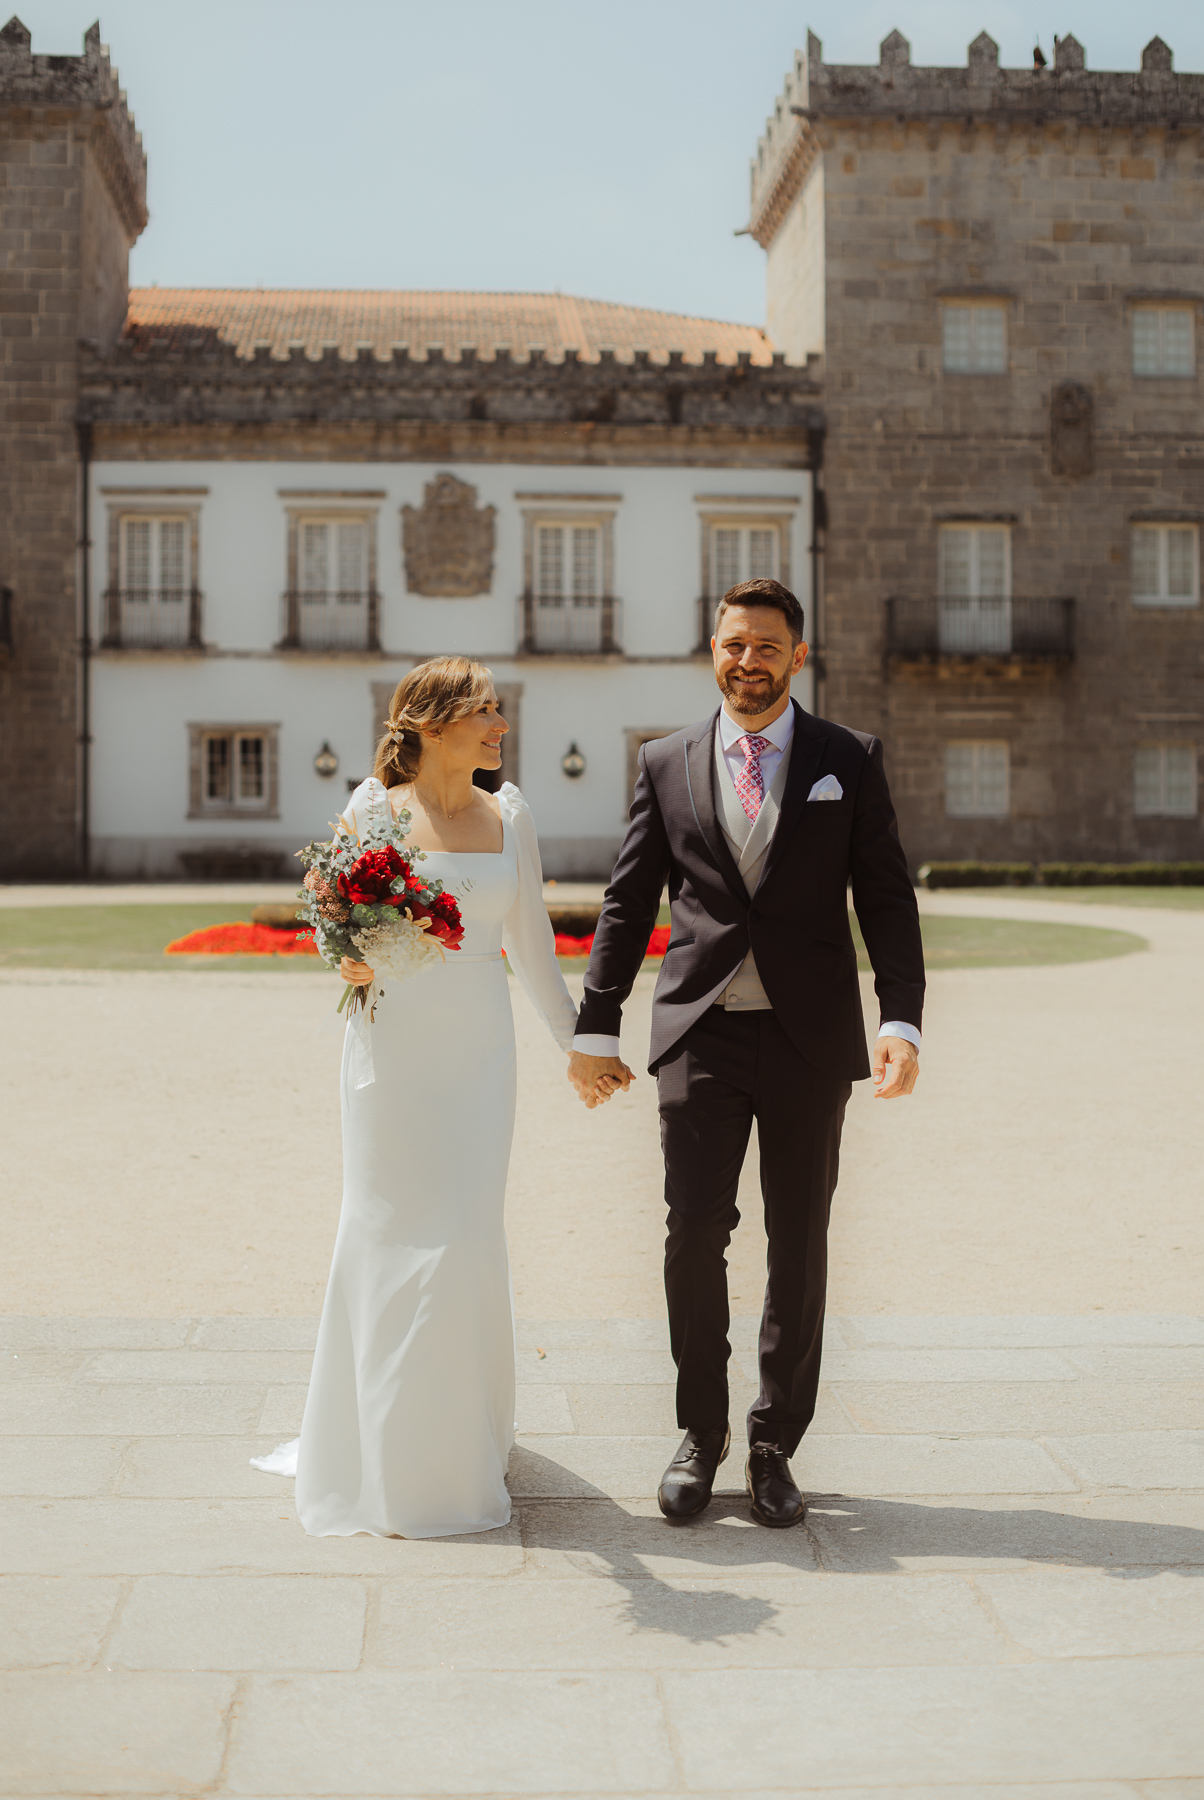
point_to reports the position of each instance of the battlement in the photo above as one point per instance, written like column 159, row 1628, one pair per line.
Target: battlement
column 86, row 83
column 817, row 97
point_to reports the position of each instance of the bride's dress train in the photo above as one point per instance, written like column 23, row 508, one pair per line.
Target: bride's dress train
column 409, row 1419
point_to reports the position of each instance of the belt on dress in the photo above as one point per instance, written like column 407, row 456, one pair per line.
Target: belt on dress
column 458, row 956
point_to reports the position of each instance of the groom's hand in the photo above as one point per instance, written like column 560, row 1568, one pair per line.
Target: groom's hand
column 895, row 1068
column 596, row 1078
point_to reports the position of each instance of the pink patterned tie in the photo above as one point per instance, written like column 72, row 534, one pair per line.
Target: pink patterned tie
column 749, row 786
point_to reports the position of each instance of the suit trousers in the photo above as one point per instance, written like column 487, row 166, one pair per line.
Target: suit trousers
column 729, row 1069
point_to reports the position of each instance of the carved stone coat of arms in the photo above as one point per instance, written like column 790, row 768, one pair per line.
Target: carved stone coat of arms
column 448, row 541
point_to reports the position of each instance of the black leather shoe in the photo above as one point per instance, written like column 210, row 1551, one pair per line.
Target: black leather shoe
column 775, row 1499
column 686, row 1485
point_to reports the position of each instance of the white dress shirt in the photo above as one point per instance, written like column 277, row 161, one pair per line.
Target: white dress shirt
column 779, row 734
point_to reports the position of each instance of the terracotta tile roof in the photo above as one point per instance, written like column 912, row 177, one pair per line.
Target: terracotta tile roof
column 174, row 318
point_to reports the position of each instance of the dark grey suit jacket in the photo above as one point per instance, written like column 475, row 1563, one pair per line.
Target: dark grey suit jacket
column 797, row 921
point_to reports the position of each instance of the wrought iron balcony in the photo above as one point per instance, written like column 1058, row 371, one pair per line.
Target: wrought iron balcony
column 570, row 625
column 152, row 619
column 1017, row 629
column 320, row 620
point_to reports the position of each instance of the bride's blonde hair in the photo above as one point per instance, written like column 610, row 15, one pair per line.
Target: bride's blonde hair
column 434, row 694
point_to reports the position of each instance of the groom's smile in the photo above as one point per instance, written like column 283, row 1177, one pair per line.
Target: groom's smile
column 755, row 658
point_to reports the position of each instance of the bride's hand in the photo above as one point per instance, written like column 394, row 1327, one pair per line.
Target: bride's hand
column 358, row 974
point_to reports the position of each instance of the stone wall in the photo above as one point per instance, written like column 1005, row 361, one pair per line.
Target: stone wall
column 1068, row 196
column 72, row 199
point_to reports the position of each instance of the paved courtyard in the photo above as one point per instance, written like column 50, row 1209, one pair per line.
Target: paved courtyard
column 1000, row 1588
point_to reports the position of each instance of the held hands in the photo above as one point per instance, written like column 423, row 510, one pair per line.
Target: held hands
column 357, row 974
column 596, row 1078
column 896, row 1067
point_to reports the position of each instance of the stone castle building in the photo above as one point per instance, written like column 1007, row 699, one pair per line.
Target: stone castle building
column 1003, row 271
column 969, row 438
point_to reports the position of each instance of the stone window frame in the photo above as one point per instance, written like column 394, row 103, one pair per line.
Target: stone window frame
column 1002, row 303
column 198, row 733
column 331, row 506
column 1162, row 811
column 1162, row 521
column 757, row 512
column 636, row 736
column 1179, row 303
column 979, row 812
column 149, row 504
column 572, row 510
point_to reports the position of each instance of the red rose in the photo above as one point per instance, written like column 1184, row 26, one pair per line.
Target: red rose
column 370, row 877
column 444, row 916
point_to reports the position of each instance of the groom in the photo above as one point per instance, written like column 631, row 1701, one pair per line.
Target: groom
column 758, row 820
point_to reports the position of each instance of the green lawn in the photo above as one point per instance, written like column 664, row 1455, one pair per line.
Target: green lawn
column 133, row 937
column 122, row 937
column 1182, row 899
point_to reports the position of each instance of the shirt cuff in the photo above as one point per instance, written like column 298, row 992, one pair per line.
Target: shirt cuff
column 593, row 1043
column 898, row 1028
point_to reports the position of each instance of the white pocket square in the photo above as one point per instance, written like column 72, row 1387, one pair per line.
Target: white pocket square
column 826, row 788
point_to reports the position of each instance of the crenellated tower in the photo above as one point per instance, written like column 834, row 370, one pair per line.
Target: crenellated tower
column 1003, row 271
column 72, row 204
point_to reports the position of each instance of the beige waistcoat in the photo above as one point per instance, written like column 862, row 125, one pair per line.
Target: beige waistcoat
column 749, row 841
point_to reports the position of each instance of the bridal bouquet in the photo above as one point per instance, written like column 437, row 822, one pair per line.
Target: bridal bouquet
column 365, row 900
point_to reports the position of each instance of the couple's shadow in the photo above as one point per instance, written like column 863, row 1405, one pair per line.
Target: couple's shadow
column 662, row 1566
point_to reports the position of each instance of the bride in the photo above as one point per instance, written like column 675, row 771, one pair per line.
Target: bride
column 409, row 1419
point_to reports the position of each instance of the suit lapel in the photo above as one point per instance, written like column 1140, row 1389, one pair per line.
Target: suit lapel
column 700, row 783
column 806, row 750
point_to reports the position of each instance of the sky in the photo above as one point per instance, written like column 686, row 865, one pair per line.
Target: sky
column 599, row 149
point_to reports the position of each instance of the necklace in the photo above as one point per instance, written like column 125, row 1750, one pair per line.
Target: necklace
column 434, row 807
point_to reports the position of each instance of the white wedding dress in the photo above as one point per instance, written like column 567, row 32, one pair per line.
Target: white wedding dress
column 409, row 1419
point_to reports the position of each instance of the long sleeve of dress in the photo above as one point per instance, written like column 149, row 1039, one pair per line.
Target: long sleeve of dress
column 527, row 934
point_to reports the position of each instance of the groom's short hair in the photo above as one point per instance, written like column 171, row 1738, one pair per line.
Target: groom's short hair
column 763, row 592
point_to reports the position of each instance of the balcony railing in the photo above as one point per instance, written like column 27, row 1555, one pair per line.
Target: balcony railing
column 6, row 620
column 321, row 620
column 152, row 619
column 1017, row 628
column 570, row 625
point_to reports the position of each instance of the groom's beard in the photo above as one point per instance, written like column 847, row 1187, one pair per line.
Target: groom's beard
column 752, row 702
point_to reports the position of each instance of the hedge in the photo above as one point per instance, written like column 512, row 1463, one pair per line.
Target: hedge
column 977, row 874
column 1062, row 874
column 1139, row 874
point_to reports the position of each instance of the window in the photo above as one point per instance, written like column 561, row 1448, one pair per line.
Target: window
column 976, row 781
column 151, row 600
column 1164, row 781
column 331, row 602
column 233, row 770
column 568, row 606
column 974, row 337
column 1166, row 565
column 1164, row 340
column 975, row 615
column 743, row 553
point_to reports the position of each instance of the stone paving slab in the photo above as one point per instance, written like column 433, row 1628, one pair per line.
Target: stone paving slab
column 1020, row 1330
column 445, row 1733
column 112, row 1732
column 111, row 1409
column 239, row 1623
column 802, row 1728
column 61, row 1621
column 1028, row 1408
column 1079, row 1612
column 59, row 1466
column 1144, row 1460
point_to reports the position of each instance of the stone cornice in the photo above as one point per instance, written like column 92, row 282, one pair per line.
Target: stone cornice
column 212, row 385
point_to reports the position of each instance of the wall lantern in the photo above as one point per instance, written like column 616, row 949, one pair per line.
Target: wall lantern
column 326, row 763
column 573, row 763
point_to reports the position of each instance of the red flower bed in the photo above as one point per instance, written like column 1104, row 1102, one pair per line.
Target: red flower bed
column 658, row 943
column 242, row 939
